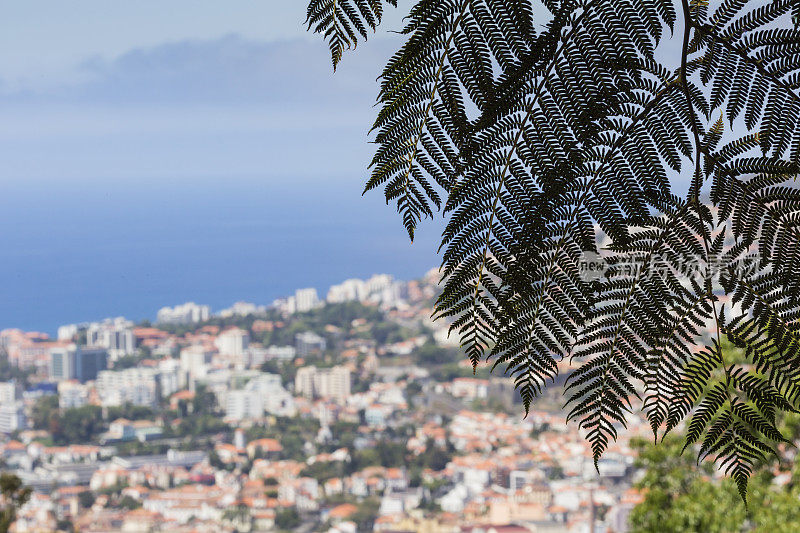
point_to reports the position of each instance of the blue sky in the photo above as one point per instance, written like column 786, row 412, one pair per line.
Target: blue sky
column 43, row 39
column 172, row 90
column 99, row 89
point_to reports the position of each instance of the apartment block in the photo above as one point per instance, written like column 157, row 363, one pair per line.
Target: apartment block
column 332, row 383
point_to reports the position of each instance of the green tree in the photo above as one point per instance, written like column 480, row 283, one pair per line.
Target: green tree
column 431, row 354
column 433, row 457
column 129, row 503
column 239, row 515
column 14, row 495
column 80, row 425
column 681, row 498
column 412, row 390
column 70, row 426
column 323, row 471
column 215, row 461
column 86, row 499
column 551, row 133
column 10, row 372
column 45, row 408
column 200, row 425
column 205, row 402
column 366, row 514
column 287, row 519
column 131, row 412
column 128, row 361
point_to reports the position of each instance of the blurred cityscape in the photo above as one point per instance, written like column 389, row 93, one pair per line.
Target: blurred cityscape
column 355, row 412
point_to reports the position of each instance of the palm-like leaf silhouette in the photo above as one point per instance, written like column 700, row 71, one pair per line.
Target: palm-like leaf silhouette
column 552, row 131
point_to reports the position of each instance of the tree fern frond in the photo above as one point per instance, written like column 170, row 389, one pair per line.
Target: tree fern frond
column 342, row 22
column 748, row 66
column 549, row 141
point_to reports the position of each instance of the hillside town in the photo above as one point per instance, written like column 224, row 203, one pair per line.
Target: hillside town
column 348, row 413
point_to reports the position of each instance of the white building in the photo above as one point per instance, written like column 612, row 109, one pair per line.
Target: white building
column 257, row 355
column 455, row 500
column 396, row 502
column 378, row 283
column 470, row 388
column 380, row 289
column 384, row 290
column 12, row 417
column 332, row 383
column 265, row 383
column 72, row 394
column 281, row 353
column 9, row 392
column 304, row 381
column 68, row 332
column 115, row 335
column 447, row 338
column 244, row 405
column 263, row 393
column 195, row 360
column 171, row 377
column 286, row 306
column 188, row 313
column 233, row 342
column 136, row 386
column 306, row 300
column 309, row 343
column 277, row 400
column 241, row 309
column 352, row 290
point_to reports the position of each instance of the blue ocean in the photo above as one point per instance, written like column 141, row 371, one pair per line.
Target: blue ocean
column 73, row 251
column 211, row 170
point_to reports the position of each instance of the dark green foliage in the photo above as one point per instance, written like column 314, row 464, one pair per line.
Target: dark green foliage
column 551, row 133
column 433, row 457
column 293, row 434
column 432, row 354
column 216, row 462
column 65, row 525
column 80, row 425
column 678, row 497
column 339, row 315
column 384, row 453
column 70, row 426
column 128, row 503
column 198, row 425
column 10, row 372
column 287, row 519
column 130, row 361
column 205, row 401
column 130, row 412
column 323, row 471
column 14, row 495
column 86, row 499
column 43, row 411
column 366, row 514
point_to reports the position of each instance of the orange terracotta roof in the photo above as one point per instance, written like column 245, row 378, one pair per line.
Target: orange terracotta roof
column 343, row 511
column 267, row 445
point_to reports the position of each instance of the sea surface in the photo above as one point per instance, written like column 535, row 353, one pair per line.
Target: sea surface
column 73, row 251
